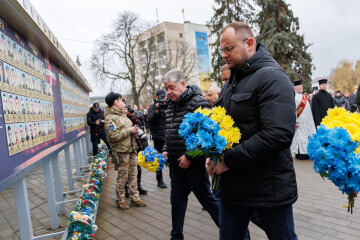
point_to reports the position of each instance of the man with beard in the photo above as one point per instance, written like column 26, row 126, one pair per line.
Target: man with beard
column 321, row 102
column 304, row 127
column 256, row 175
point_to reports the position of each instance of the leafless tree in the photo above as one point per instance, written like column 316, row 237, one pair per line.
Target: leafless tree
column 115, row 54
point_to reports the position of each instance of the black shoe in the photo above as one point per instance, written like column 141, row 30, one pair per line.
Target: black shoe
column 141, row 190
column 161, row 184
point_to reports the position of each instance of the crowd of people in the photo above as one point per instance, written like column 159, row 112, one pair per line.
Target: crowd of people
column 258, row 180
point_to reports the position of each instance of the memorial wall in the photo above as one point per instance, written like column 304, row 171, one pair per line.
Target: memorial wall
column 41, row 106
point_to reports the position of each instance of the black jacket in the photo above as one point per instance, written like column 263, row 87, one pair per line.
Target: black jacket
column 260, row 98
column 189, row 102
column 91, row 118
column 157, row 123
column 352, row 103
column 340, row 101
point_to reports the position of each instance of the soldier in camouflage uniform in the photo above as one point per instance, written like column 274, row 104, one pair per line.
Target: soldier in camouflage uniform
column 121, row 134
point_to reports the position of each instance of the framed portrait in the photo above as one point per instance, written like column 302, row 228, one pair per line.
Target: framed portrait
column 30, row 134
column 2, row 75
column 6, row 107
column 9, row 51
column 2, row 45
column 26, row 62
column 16, row 136
column 20, row 53
column 10, row 138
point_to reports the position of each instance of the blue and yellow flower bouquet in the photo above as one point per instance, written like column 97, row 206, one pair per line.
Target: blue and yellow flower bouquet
column 151, row 159
column 209, row 132
column 334, row 150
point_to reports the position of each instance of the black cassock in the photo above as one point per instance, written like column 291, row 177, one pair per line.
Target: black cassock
column 320, row 103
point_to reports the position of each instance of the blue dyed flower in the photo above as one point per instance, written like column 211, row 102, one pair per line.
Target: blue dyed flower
column 220, row 143
column 205, row 139
column 191, row 142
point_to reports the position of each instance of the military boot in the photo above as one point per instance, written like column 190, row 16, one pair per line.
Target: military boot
column 138, row 203
column 141, row 190
column 123, row 205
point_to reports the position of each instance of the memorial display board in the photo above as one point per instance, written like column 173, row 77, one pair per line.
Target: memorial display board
column 41, row 107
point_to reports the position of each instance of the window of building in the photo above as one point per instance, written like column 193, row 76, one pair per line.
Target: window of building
column 180, row 35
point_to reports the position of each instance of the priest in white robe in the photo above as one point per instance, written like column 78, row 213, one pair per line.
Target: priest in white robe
column 305, row 126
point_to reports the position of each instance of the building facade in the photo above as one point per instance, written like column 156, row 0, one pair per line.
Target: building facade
column 173, row 46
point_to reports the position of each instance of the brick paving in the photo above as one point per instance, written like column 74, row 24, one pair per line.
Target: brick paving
column 318, row 214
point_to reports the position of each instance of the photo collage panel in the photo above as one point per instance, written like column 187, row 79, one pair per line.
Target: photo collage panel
column 22, row 136
column 72, row 124
column 15, row 53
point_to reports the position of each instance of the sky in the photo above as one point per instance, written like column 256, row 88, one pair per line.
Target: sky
column 331, row 26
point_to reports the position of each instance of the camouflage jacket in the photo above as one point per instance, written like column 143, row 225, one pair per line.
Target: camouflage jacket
column 117, row 128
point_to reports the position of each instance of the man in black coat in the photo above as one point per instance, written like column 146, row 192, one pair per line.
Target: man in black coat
column 156, row 118
column 187, row 174
column 257, row 175
column 95, row 119
column 321, row 102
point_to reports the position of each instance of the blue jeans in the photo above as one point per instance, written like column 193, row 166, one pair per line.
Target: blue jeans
column 278, row 223
column 193, row 179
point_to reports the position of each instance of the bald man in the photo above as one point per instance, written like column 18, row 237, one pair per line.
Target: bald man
column 225, row 73
column 213, row 94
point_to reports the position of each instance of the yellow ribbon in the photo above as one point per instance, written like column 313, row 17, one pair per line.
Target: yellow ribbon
column 347, row 205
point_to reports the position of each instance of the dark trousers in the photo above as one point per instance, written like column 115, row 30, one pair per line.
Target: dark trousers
column 95, row 140
column 158, row 145
column 278, row 222
column 193, row 179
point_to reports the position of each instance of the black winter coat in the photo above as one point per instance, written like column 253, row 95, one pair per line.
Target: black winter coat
column 260, row 98
column 189, row 102
column 157, row 123
column 91, row 118
column 340, row 101
column 352, row 103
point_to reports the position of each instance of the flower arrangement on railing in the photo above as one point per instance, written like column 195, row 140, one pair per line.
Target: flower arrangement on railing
column 150, row 159
column 81, row 224
column 334, row 150
column 209, row 132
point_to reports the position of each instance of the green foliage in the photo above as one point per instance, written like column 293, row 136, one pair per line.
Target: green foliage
column 227, row 12
column 279, row 33
column 195, row 153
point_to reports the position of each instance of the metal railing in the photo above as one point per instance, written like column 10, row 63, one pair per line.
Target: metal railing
column 53, row 185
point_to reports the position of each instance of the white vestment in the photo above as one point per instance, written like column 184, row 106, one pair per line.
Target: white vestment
column 305, row 129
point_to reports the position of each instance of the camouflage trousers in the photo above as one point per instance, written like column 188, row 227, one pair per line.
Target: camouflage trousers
column 127, row 172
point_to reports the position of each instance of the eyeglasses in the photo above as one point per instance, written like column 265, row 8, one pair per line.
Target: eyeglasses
column 228, row 49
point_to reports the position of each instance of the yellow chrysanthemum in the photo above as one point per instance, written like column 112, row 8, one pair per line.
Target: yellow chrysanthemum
column 337, row 112
column 339, row 117
column 227, row 122
column 219, row 111
column 234, row 135
column 204, row 111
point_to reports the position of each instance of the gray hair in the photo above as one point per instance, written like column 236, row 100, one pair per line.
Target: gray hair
column 215, row 88
column 174, row 75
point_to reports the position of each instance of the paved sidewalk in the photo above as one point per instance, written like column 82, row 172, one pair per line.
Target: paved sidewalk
column 318, row 214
